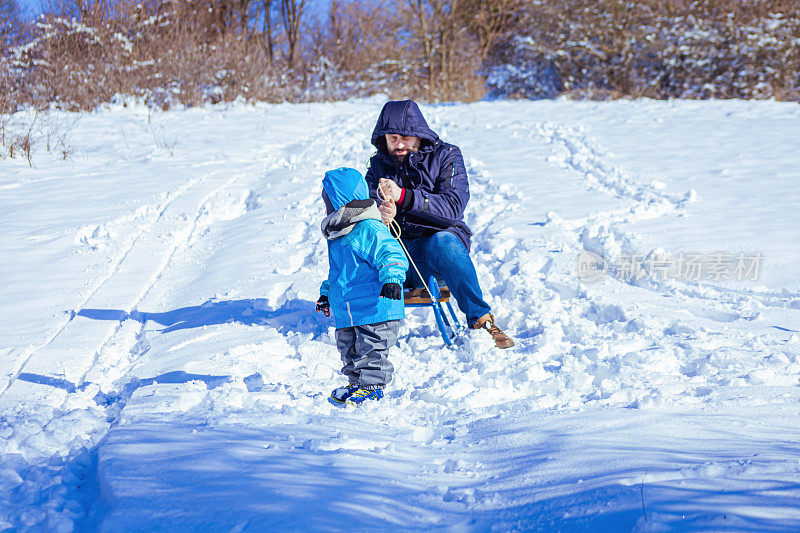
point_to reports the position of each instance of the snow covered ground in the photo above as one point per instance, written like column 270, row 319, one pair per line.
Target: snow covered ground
column 162, row 367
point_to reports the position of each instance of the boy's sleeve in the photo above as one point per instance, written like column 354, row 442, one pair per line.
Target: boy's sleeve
column 325, row 288
column 386, row 255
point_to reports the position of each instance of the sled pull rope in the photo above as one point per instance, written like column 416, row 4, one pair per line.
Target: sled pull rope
column 394, row 228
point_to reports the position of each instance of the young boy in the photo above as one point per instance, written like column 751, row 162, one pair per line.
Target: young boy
column 364, row 285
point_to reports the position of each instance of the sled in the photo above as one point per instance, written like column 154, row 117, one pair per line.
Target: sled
column 420, row 298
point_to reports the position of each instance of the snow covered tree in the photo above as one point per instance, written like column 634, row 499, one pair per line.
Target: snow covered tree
column 702, row 49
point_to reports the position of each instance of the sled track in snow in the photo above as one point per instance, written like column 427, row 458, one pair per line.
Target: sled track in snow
column 591, row 163
column 556, row 350
column 187, row 233
column 185, row 237
column 161, row 210
column 203, row 218
column 180, row 221
column 308, row 164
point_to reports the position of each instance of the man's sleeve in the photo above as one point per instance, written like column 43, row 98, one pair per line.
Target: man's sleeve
column 445, row 205
column 372, row 179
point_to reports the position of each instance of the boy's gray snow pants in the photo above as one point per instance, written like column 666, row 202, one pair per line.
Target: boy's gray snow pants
column 365, row 352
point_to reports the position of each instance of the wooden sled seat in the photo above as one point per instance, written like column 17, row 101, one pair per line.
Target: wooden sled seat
column 421, row 296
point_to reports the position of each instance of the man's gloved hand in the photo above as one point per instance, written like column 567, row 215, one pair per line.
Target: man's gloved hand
column 323, row 305
column 392, row 291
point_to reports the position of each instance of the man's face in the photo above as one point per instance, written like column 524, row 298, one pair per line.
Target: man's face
column 400, row 146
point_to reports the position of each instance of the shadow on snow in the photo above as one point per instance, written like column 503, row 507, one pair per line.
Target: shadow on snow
column 294, row 316
column 569, row 480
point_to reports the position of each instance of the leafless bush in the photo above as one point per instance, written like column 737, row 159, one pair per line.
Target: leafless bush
column 160, row 138
column 357, row 52
column 703, row 49
column 432, row 50
column 729, row 49
column 55, row 130
column 446, row 50
column 166, row 53
column 170, row 52
column 16, row 137
column 26, row 134
column 191, row 52
column 453, row 39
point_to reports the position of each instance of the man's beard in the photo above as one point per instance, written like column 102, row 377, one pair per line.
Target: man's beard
column 400, row 159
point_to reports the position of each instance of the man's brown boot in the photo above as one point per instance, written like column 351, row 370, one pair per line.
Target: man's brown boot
column 501, row 340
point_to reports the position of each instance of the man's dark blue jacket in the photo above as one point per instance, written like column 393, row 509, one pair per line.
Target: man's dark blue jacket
column 434, row 178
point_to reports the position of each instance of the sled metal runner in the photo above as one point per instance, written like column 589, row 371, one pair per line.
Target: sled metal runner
column 421, row 298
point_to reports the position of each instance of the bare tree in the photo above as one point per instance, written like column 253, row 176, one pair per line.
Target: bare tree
column 490, row 20
column 90, row 12
column 291, row 12
column 243, row 14
column 267, row 31
column 455, row 37
column 10, row 22
column 360, row 38
column 447, row 48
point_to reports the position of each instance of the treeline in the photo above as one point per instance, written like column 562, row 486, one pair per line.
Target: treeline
column 651, row 48
column 81, row 53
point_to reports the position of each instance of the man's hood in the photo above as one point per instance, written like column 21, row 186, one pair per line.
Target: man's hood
column 344, row 185
column 401, row 117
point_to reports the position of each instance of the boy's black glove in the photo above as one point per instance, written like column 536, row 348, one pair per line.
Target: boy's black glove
column 323, row 305
column 392, row 291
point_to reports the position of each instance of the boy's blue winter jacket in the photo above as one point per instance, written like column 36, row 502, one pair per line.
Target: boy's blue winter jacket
column 362, row 254
column 435, row 178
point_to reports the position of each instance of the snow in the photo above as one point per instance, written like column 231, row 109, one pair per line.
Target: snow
column 163, row 367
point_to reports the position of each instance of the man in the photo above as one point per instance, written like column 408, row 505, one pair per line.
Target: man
column 425, row 188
